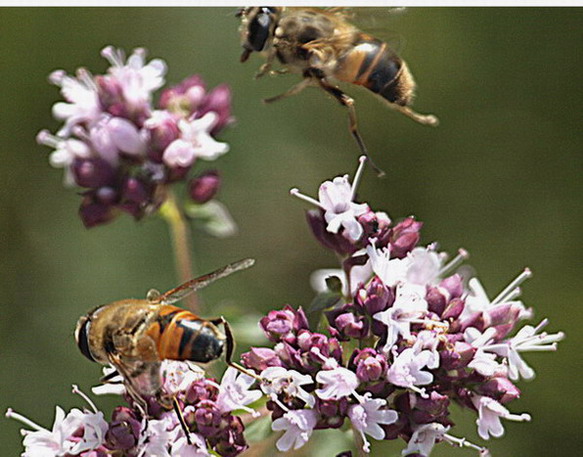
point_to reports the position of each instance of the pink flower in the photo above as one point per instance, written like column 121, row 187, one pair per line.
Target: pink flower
column 337, row 383
column 234, row 391
column 406, row 370
column 195, row 141
column 298, row 426
column 278, row 380
column 424, row 438
column 367, row 415
column 490, row 412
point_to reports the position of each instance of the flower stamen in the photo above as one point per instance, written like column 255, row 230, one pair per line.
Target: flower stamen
column 10, row 414
column 504, row 295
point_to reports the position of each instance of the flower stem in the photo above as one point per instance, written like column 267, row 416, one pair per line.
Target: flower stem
column 180, row 234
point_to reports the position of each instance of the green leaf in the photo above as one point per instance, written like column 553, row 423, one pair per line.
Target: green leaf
column 213, row 217
column 258, row 430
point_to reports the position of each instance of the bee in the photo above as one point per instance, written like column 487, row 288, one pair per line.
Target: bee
column 135, row 336
column 322, row 45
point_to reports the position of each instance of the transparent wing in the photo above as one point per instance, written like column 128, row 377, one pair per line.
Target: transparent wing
column 378, row 22
column 178, row 293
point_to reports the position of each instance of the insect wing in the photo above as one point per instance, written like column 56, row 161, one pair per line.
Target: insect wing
column 178, row 293
column 140, row 378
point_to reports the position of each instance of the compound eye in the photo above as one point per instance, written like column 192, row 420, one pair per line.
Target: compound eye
column 259, row 29
column 82, row 337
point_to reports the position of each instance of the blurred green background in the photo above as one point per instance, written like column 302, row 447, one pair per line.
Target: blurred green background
column 501, row 176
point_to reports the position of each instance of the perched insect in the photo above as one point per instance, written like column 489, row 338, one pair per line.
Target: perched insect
column 134, row 336
column 322, row 45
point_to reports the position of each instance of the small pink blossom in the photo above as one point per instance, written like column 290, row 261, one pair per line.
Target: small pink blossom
column 390, row 271
column 298, row 426
column 424, row 438
column 278, row 380
column 406, row 370
column 234, row 391
column 367, row 415
column 408, row 307
column 179, row 375
column 337, row 383
column 490, row 412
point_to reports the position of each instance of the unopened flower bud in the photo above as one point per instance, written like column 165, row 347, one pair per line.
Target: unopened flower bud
column 124, row 429
column 500, row 389
column 218, row 100
column 205, row 186
column 436, row 298
column 431, row 409
column 334, row 241
column 454, row 285
column 404, row 237
column 332, row 412
column 93, row 172
column 375, row 298
column 185, row 97
column 261, row 358
column 453, row 309
column 370, row 365
column 208, row 418
column 94, row 212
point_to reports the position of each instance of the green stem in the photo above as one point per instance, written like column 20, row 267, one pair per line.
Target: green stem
column 180, row 234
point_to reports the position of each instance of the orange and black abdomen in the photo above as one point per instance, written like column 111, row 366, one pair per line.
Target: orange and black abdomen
column 181, row 335
column 372, row 64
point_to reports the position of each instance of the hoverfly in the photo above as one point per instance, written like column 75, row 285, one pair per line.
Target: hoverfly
column 323, row 46
column 135, row 336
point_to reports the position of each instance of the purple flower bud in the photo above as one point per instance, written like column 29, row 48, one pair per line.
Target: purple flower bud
column 205, row 186
column 185, row 97
column 368, row 364
column 432, row 409
column 94, row 212
column 202, row 390
column 454, row 285
column 207, row 418
column 134, row 190
column 336, row 242
column 453, row 309
column 332, row 412
column 218, row 101
column 351, row 326
column 326, row 347
column 163, row 130
column 375, row 298
column 284, row 324
column 346, row 323
column 231, row 441
column 404, row 237
column 278, row 325
column 500, row 389
column 375, row 225
column 124, row 429
column 436, row 298
column 457, row 357
column 110, row 95
column 94, row 172
column 261, row 358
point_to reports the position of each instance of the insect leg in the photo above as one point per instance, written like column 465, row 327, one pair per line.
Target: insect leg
column 181, row 419
column 425, row 119
column 263, row 69
column 348, row 102
column 292, row 91
column 231, row 348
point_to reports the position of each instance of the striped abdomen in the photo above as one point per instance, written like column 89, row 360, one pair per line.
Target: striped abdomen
column 181, row 335
column 372, row 64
